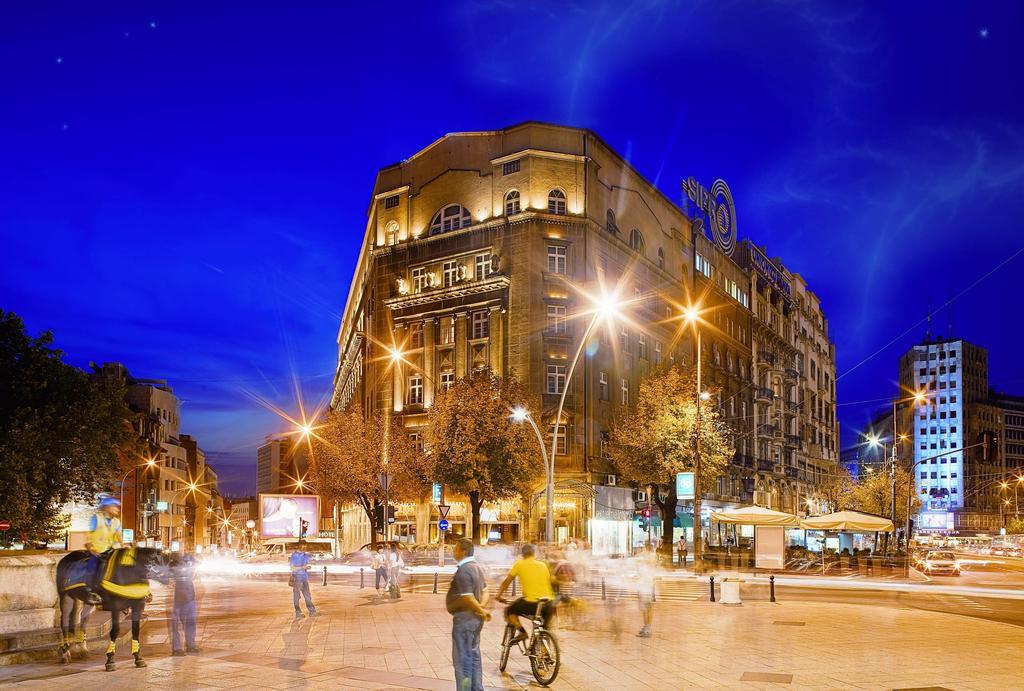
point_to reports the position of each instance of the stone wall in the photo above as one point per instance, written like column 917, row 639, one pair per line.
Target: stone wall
column 28, row 593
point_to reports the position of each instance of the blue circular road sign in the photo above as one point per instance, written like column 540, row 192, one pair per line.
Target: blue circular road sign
column 443, row 524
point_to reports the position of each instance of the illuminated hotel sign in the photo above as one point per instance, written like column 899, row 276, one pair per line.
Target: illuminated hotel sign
column 768, row 270
column 717, row 204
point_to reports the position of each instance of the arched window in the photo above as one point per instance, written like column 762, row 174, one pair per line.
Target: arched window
column 609, row 222
column 556, row 202
column 451, row 217
column 636, row 240
column 511, row 202
column 391, row 234
column 661, row 258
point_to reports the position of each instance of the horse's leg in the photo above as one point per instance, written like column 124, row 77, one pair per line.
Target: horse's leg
column 136, row 646
column 82, row 633
column 115, row 631
column 66, row 607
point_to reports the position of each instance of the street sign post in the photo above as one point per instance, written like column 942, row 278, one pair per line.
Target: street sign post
column 443, row 510
column 385, row 480
column 385, row 484
column 442, row 525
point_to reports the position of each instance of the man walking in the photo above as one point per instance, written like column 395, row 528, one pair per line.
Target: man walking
column 467, row 594
column 299, row 580
column 380, row 573
column 183, row 615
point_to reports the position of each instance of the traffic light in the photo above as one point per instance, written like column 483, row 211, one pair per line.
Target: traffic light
column 303, row 527
column 643, row 518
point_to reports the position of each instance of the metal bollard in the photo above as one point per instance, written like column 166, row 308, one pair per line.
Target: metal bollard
column 712, row 588
column 435, row 582
column 771, row 587
column 604, row 593
column 360, row 577
column 325, row 575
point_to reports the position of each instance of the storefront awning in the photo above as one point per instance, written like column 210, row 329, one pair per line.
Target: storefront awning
column 849, row 522
column 755, row 515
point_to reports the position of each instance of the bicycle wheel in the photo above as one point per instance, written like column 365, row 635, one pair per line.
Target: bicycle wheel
column 545, row 658
column 506, row 646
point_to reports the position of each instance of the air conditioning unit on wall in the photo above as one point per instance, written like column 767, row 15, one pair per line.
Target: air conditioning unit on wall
column 611, row 480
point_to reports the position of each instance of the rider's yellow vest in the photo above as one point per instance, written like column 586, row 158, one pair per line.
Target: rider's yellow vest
column 104, row 533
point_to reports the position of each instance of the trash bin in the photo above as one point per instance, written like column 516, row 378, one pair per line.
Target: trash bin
column 730, row 594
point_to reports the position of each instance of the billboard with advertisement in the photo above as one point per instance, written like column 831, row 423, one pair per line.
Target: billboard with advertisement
column 281, row 514
column 935, row 520
column 684, row 485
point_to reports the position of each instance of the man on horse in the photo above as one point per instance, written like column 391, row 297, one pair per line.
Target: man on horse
column 104, row 535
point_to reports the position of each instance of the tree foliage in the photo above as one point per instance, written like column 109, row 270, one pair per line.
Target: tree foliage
column 1015, row 526
column 475, row 446
column 837, row 488
column 656, row 439
column 351, row 450
column 61, row 433
column 872, row 493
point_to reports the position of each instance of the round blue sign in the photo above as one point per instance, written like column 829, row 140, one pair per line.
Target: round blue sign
column 443, row 524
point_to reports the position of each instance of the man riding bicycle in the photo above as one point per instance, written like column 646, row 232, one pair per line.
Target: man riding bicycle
column 535, row 579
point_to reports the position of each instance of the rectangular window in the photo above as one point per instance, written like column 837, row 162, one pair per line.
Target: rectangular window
column 416, row 335
column 450, row 273
column 482, row 266
column 624, row 392
column 447, row 380
column 556, row 379
column 556, row 259
column 602, row 386
column 391, row 202
column 419, row 279
column 556, row 319
column 657, row 352
column 416, row 390
column 447, row 335
column 641, row 346
column 509, row 167
column 702, row 265
column 417, row 441
column 625, row 343
column 481, row 324
column 561, row 446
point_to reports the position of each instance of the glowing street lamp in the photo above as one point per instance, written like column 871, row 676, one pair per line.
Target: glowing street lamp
column 692, row 317
column 521, row 414
column 605, row 308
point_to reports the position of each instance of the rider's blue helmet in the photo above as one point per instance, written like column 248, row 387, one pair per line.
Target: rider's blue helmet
column 109, row 501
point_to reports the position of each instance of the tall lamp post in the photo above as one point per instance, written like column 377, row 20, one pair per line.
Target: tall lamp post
column 150, row 463
column 604, row 308
column 691, row 317
column 521, row 414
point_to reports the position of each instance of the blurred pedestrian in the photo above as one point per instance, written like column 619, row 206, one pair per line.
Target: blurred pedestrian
column 379, row 569
column 681, row 551
column 646, row 566
column 467, row 595
column 395, row 563
column 183, row 613
column 299, row 581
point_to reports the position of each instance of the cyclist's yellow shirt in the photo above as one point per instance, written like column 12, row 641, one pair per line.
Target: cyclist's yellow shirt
column 534, row 578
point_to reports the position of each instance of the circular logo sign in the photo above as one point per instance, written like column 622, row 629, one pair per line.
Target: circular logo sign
column 723, row 216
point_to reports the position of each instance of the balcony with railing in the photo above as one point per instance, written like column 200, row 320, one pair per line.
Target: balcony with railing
column 766, row 430
column 794, row 440
column 766, row 466
column 763, row 393
column 766, row 358
column 742, row 460
column 791, row 472
column 792, row 407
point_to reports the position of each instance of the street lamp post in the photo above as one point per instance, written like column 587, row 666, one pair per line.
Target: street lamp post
column 150, row 463
column 520, row 414
column 691, row 315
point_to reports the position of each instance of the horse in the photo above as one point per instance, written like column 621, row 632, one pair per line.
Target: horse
column 124, row 585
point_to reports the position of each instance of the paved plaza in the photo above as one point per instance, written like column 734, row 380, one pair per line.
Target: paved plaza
column 249, row 639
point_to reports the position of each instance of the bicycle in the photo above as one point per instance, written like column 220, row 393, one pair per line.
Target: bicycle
column 541, row 647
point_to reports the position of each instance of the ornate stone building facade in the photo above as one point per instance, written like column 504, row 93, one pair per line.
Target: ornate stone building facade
column 480, row 252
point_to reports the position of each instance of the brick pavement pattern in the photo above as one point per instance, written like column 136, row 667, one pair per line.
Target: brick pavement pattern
column 249, row 639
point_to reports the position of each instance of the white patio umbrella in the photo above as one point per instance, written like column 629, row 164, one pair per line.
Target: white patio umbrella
column 756, row 515
column 849, row 522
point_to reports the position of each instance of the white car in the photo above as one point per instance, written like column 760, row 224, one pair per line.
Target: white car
column 939, row 562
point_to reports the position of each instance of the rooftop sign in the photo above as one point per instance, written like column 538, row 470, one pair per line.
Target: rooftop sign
column 718, row 206
column 768, row 270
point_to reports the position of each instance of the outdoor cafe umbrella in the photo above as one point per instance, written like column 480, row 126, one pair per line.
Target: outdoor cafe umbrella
column 756, row 515
column 849, row 522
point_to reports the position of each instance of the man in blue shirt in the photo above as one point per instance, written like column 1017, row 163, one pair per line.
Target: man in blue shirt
column 299, row 563
column 467, row 594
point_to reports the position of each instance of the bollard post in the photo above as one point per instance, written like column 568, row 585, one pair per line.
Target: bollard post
column 325, row 574
column 604, row 593
column 435, row 582
column 712, row 588
column 771, row 587
column 360, row 577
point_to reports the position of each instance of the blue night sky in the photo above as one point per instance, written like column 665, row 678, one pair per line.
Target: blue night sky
column 185, row 185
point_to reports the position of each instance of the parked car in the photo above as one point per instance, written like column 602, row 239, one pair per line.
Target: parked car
column 938, row 562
